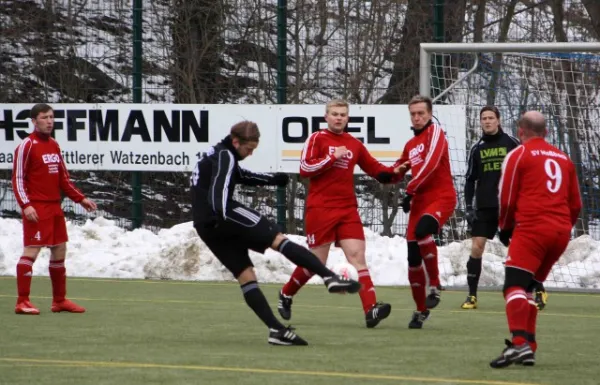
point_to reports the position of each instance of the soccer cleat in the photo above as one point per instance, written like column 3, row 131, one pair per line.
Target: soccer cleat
column 67, row 306
column 470, row 302
column 26, row 307
column 541, row 298
column 285, row 337
column 339, row 284
column 418, row 318
column 527, row 361
column 433, row 299
column 514, row 354
column 284, row 306
column 378, row 312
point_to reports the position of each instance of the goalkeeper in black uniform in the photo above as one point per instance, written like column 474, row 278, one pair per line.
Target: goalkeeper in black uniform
column 483, row 175
column 230, row 229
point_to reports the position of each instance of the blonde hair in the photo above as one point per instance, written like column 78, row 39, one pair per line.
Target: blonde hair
column 422, row 99
column 336, row 103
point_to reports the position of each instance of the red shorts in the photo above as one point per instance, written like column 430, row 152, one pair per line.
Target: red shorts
column 324, row 226
column 536, row 250
column 49, row 230
column 440, row 209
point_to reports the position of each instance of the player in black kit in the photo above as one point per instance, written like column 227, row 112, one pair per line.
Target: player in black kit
column 483, row 175
column 230, row 229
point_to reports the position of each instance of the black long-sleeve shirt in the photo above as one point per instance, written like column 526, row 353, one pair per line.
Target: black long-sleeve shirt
column 484, row 166
column 214, row 179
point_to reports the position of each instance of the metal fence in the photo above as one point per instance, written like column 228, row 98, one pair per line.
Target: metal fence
column 229, row 51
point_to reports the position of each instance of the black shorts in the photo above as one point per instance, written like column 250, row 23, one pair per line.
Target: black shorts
column 485, row 223
column 230, row 239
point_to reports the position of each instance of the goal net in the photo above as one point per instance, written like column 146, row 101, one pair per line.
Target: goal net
column 561, row 80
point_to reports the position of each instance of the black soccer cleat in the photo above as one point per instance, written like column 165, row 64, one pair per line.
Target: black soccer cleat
column 514, row 354
column 433, row 299
column 418, row 318
column 284, row 306
column 527, row 361
column 378, row 312
column 285, row 337
column 339, row 284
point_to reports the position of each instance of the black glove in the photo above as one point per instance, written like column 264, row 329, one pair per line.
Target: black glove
column 470, row 215
column 406, row 203
column 505, row 236
column 280, row 179
column 385, row 177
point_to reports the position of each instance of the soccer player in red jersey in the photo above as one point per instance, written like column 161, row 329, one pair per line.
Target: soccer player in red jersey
column 539, row 205
column 430, row 198
column 328, row 160
column 39, row 176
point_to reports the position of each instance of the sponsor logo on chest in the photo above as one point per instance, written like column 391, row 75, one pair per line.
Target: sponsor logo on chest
column 416, row 154
column 53, row 161
column 344, row 161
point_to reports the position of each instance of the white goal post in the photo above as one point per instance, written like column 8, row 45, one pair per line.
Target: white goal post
column 562, row 80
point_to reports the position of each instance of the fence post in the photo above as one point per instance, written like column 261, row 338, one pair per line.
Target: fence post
column 281, row 93
column 136, row 176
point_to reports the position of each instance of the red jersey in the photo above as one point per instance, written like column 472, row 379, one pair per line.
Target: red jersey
column 429, row 160
column 538, row 186
column 332, row 180
column 39, row 172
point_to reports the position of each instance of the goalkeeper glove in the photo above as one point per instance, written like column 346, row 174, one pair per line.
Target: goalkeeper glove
column 280, row 179
column 505, row 236
column 406, row 203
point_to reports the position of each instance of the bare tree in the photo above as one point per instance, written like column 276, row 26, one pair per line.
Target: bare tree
column 197, row 47
column 593, row 9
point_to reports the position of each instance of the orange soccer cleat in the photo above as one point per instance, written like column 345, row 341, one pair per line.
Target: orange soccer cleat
column 26, row 307
column 67, row 306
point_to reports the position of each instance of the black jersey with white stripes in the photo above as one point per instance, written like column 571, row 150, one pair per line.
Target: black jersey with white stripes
column 213, row 182
column 484, row 166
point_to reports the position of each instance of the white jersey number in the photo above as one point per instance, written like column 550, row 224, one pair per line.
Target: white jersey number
column 554, row 174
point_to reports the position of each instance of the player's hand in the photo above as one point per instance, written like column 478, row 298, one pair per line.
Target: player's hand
column 280, row 179
column 406, row 203
column 88, row 204
column 403, row 167
column 470, row 215
column 31, row 214
column 340, row 152
column 505, row 236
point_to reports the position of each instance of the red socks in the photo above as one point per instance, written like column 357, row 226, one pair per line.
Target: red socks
column 24, row 274
column 298, row 279
column 517, row 313
column 367, row 292
column 418, row 283
column 301, row 276
column 59, row 280
column 531, row 322
column 429, row 253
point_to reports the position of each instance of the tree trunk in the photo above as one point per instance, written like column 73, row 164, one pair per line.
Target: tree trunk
column 593, row 9
column 497, row 64
column 197, row 48
column 404, row 82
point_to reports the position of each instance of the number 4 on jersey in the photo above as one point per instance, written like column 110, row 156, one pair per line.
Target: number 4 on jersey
column 38, row 236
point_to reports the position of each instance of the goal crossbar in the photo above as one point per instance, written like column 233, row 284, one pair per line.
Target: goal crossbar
column 427, row 48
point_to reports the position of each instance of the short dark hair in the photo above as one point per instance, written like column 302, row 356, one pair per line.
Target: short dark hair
column 494, row 109
column 245, row 131
column 39, row 108
column 537, row 127
column 421, row 99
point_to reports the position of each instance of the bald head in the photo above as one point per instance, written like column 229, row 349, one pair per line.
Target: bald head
column 533, row 122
